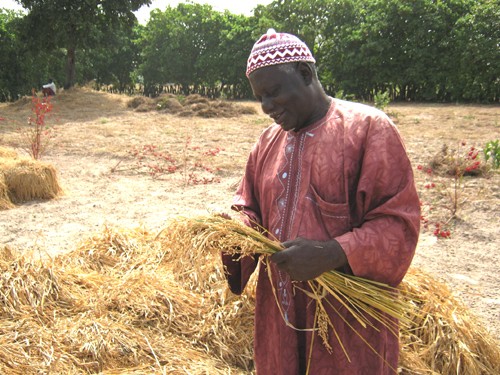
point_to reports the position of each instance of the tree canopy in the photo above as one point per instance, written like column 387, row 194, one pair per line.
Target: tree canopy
column 71, row 25
column 422, row 50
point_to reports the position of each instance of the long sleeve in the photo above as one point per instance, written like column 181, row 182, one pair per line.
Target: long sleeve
column 386, row 209
column 238, row 271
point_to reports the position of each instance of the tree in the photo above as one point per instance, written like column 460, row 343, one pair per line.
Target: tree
column 477, row 37
column 304, row 18
column 190, row 45
column 230, row 59
column 72, row 25
column 9, row 48
column 22, row 68
column 114, row 60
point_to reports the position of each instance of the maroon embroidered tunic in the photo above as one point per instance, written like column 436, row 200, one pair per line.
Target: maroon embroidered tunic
column 346, row 177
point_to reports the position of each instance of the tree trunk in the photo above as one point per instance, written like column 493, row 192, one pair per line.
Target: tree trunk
column 70, row 68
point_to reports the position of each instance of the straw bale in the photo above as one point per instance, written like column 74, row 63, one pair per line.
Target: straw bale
column 28, row 180
column 5, row 202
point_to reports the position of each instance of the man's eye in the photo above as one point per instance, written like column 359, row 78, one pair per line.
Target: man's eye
column 274, row 93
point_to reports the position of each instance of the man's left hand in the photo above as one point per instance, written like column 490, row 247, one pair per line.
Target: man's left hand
column 306, row 259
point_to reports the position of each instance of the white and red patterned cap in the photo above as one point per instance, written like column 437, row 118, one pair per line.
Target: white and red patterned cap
column 277, row 48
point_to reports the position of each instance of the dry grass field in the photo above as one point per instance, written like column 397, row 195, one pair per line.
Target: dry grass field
column 92, row 150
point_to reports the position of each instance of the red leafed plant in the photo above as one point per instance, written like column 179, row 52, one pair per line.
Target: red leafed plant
column 36, row 136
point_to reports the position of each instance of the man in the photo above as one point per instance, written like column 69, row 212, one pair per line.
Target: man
column 331, row 180
column 49, row 89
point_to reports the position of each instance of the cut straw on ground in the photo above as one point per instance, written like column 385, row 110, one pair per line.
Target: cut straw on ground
column 129, row 301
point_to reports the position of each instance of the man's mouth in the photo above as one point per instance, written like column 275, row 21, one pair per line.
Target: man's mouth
column 277, row 116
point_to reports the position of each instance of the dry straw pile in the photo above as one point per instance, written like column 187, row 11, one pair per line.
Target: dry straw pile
column 444, row 338
column 115, row 306
column 24, row 180
column 135, row 302
column 191, row 105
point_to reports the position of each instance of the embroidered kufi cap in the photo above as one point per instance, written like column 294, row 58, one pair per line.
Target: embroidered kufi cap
column 277, row 48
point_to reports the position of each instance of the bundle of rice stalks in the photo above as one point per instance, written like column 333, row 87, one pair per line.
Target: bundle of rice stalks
column 363, row 298
column 28, row 180
column 195, row 269
column 444, row 338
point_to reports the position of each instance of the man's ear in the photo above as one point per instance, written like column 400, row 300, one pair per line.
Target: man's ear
column 306, row 72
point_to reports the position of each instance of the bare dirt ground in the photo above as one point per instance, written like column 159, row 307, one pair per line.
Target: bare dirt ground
column 103, row 185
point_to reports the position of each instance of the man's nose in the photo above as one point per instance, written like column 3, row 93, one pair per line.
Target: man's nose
column 267, row 105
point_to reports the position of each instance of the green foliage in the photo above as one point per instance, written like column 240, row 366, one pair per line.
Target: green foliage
column 492, row 153
column 8, row 55
column 74, row 25
column 382, row 100
column 423, row 50
column 114, row 61
column 193, row 45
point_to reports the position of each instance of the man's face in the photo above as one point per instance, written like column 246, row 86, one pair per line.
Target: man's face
column 283, row 94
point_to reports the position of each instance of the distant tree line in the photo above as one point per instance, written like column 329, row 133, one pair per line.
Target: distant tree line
column 418, row 50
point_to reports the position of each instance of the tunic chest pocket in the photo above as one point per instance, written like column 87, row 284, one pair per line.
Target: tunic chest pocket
column 334, row 216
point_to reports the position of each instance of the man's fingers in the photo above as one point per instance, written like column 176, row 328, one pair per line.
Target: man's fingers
column 291, row 243
column 279, row 258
